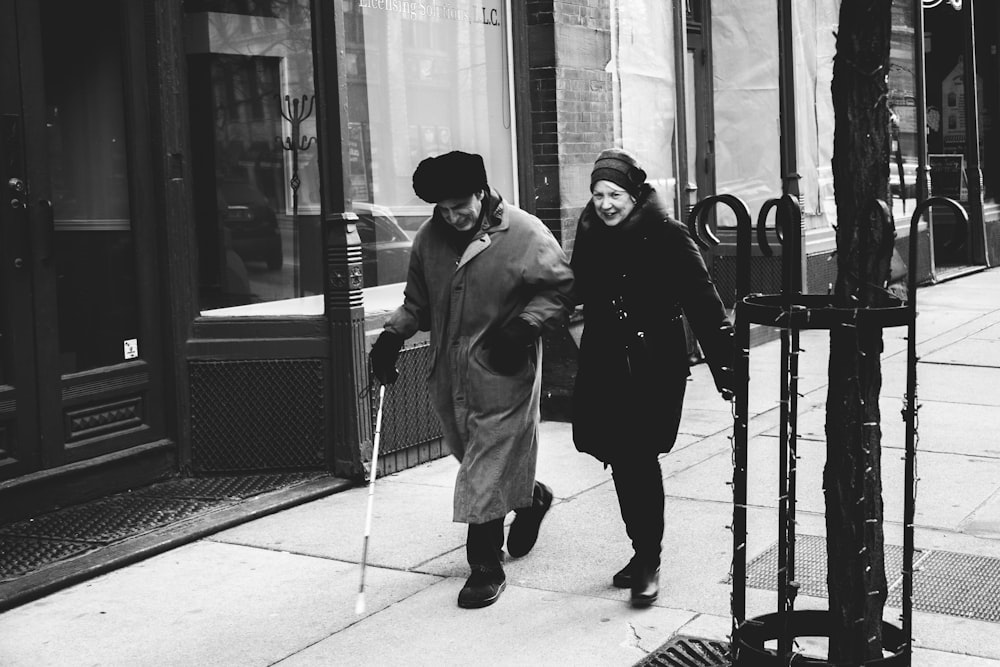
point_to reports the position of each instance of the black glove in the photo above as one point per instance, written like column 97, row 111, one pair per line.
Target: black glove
column 509, row 346
column 383, row 357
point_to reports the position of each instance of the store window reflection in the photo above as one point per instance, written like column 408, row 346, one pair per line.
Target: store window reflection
column 902, row 102
column 423, row 79
column 255, row 163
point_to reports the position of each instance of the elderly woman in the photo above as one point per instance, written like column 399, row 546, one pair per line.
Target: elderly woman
column 637, row 271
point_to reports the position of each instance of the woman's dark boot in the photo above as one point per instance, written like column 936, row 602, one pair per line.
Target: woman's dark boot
column 645, row 583
column 623, row 577
column 640, row 497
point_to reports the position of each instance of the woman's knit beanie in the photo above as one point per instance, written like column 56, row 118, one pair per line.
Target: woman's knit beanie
column 621, row 168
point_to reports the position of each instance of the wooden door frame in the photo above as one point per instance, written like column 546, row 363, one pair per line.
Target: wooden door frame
column 18, row 399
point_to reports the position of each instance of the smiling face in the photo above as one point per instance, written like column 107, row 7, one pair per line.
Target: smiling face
column 462, row 213
column 612, row 202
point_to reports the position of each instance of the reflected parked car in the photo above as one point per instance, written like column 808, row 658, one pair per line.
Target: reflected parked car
column 385, row 246
column 249, row 224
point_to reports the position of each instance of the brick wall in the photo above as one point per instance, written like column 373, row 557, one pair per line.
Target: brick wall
column 572, row 120
column 572, row 114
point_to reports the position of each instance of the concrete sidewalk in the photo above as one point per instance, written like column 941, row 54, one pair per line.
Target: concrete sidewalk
column 282, row 589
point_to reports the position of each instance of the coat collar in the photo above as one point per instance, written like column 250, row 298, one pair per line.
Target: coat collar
column 495, row 212
column 494, row 218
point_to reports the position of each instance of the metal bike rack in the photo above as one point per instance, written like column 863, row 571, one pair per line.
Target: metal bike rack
column 792, row 311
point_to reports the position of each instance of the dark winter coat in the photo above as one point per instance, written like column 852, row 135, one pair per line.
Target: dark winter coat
column 512, row 267
column 634, row 280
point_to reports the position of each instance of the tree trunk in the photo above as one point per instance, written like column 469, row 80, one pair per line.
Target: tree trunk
column 853, row 478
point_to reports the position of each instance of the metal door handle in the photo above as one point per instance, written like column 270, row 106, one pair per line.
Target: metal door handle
column 16, row 190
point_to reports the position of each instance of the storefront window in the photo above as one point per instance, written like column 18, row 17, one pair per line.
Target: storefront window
column 256, row 190
column 947, row 131
column 903, row 148
column 645, row 88
column 988, row 67
column 745, row 67
column 423, row 79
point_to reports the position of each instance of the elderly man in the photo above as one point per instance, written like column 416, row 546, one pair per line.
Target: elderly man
column 485, row 278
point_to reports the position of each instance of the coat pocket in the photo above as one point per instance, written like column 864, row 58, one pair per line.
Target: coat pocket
column 490, row 391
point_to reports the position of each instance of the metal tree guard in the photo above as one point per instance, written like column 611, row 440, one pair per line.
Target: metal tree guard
column 699, row 230
column 793, row 311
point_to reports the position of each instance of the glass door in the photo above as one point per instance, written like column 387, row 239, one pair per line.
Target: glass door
column 79, row 363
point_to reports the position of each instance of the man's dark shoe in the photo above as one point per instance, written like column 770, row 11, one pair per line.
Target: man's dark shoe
column 645, row 584
column 524, row 529
column 482, row 588
column 623, row 577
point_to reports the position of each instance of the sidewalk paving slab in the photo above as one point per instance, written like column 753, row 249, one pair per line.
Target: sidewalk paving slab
column 549, row 628
column 202, row 604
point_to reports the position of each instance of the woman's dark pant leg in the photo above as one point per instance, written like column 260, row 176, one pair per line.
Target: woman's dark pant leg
column 639, row 485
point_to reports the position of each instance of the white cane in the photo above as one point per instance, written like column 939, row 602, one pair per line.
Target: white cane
column 359, row 606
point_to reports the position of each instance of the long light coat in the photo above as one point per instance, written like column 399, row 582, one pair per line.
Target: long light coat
column 513, row 267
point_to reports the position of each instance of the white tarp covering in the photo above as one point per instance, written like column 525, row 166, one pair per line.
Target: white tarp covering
column 745, row 60
column 643, row 63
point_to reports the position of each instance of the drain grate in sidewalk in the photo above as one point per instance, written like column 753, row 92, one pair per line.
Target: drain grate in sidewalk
column 688, row 652
column 944, row 582
column 31, row 544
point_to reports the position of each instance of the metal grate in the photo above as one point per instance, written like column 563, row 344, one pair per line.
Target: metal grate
column 107, row 520
column 765, row 276
column 257, row 415
column 810, row 566
column 821, row 272
column 408, row 418
column 944, row 582
column 688, row 652
column 958, row 585
column 226, row 487
column 20, row 555
column 31, row 544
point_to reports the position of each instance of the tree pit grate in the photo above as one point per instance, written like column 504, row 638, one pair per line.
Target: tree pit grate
column 684, row 651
